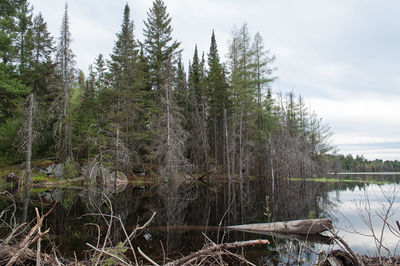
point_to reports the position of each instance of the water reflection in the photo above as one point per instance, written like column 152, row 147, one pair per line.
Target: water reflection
column 187, row 211
column 362, row 209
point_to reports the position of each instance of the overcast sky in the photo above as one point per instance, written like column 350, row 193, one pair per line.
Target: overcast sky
column 342, row 56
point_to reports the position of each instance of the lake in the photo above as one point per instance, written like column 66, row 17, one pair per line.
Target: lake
column 187, row 211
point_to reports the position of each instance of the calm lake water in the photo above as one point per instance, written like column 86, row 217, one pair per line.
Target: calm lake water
column 186, row 211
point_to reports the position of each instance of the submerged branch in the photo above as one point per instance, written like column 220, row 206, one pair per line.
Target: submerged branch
column 216, row 248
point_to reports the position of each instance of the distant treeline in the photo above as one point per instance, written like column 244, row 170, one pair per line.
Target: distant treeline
column 349, row 163
column 140, row 110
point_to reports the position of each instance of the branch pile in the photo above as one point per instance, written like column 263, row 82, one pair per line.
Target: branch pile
column 14, row 251
column 212, row 254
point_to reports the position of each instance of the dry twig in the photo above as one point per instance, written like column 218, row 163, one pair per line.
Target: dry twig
column 217, row 248
column 34, row 235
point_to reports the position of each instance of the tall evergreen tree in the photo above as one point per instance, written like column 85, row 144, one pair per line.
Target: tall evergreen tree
column 162, row 51
column 159, row 45
column 24, row 37
column 8, row 12
column 197, row 129
column 42, row 51
column 217, row 95
column 123, row 107
column 181, row 92
column 100, row 73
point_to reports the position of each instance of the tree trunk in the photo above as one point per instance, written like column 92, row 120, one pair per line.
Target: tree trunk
column 215, row 143
column 240, row 143
column 227, row 145
column 29, row 142
column 305, row 227
column 168, row 161
column 116, row 158
column 100, row 153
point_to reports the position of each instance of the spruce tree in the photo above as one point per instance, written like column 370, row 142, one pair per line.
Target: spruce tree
column 24, row 37
column 182, row 93
column 8, row 12
column 197, row 126
column 162, row 51
column 123, row 105
column 217, row 91
column 100, row 73
column 159, row 46
column 42, row 52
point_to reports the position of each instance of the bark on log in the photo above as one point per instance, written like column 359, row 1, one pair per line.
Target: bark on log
column 305, row 227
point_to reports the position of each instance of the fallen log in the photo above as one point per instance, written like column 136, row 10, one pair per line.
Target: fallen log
column 303, row 227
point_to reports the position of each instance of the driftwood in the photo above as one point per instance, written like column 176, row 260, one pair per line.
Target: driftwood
column 316, row 238
column 303, row 227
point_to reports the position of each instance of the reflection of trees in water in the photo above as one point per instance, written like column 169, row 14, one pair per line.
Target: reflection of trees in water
column 181, row 204
column 173, row 201
column 298, row 200
column 291, row 252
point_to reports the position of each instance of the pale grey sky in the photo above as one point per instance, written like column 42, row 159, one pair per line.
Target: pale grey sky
column 341, row 55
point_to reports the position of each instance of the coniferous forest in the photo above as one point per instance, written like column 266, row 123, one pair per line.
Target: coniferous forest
column 140, row 109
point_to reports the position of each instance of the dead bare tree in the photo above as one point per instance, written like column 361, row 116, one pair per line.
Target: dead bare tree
column 28, row 169
column 63, row 84
column 170, row 149
column 27, row 134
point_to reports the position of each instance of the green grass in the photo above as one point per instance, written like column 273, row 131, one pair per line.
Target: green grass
column 10, row 169
column 39, row 190
column 40, row 177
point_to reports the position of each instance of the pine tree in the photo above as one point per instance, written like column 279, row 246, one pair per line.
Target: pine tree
column 181, row 92
column 99, row 71
column 42, row 50
column 8, row 12
column 197, row 112
column 24, row 37
column 123, row 106
column 195, row 80
column 217, row 91
column 159, row 45
column 162, row 51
